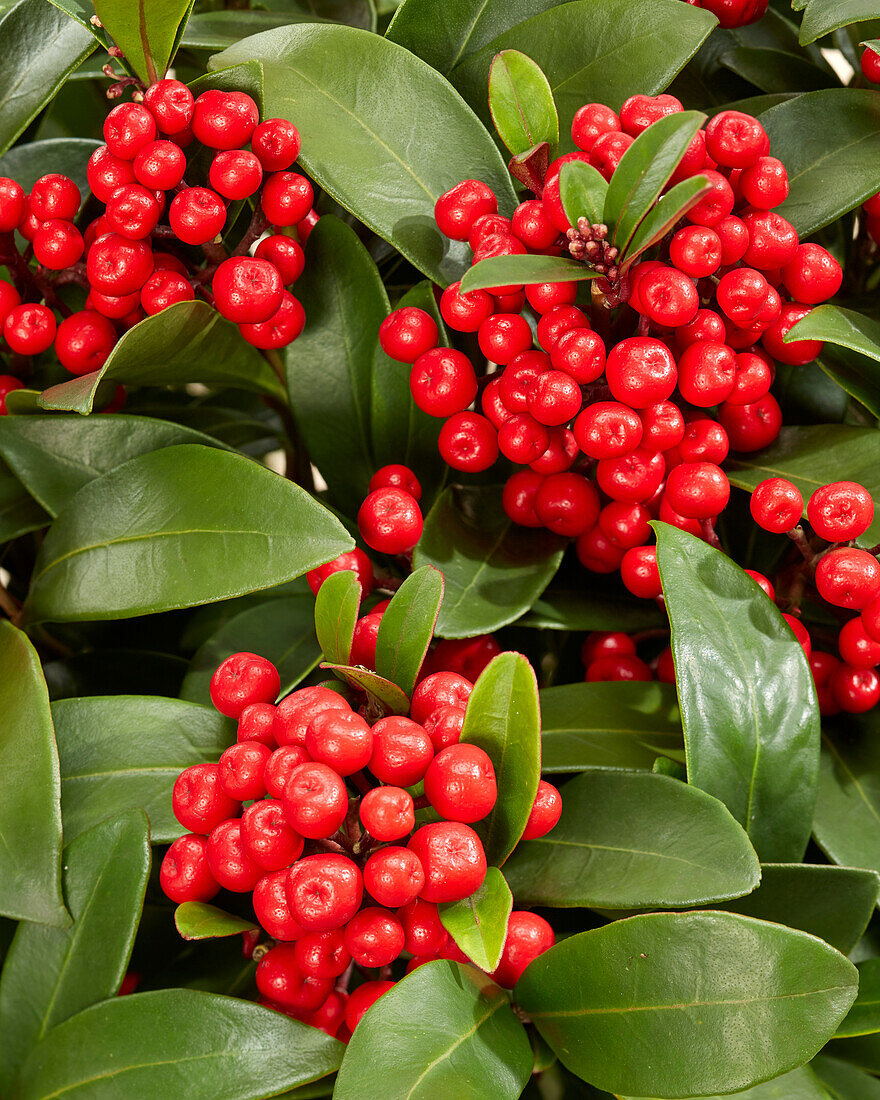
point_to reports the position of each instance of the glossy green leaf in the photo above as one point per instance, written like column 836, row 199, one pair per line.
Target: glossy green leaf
column 822, row 16
column 51, row 973
column 661, row 217
column 188, row 342
column 216, row 30
column 748, row 704
column 632, row 840
column 588, row 608
column 309, row 78
column 501, row 270
column 864, row 1016
column 444, row 1030
column 609, row 725
column 26, row 163
column 640, row 49
column 644, row 171
column 858, row 375
column 178, row 527
column 123, row 752
column 813, row 456
column 145, row 31
column 521, row 103
column 798, row 1084
column 19, row 512
column 336, row 612
column 195, row 920
column 407, row 628
column 30, row 813
column 282, row 630
column 503, row 717
column 82, row 11
column 762, row 998
column 329, row 368
column 861, row 1050
column 832, row 165
column 839, row 326
column 494, row 570
column 478, row 924
column 846, row 825
column 833, row 903
column 54, row 456
column 41, row 47
column 582, row 191
column 843, row 1081
column 145, row 1044
column 388, row 695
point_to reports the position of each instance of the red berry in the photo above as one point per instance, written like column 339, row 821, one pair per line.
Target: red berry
column 185, row 874
column 163, row 289
column 443, row 382
column 453, row 859
column 697, row 490
column 13, row 204
column 465, row 312
column 607, row 429
column 127, row 129
column 503, row 336
column 460, row 783
column 662, row 426
column 322, row 954
column 457, row 209
column 402, row 751
column 734, row 239
column 608, row 152
column 224, row 120
column 639, row 572
column 857, row 648
column 668, row 297
column 241, row 770
column 716, row 204
column 230, row 864
column 363, row 998
column 29, row 329
column 355, row 561
column 764, row 184
column 160, row 165
column 567, row 504
column 118, row 266
column 57, row 244
column 315, row 800
column 545, row 812
column 54, row 196
column 280, row 979
column 280, row 767
column 543, row 297
column 197, row 215
column 374, row 937
column 235, row 174
column 84, row 341
column 242, row 679
column 633, row 478
column 840, row 511
column 641, row 111
column 640, row 372
column 277, row 143
column 531, row 224
column 735, row 139
column 8, row 383
column 696, row 250
column 706, row 374
column 528, row 936
column 285, row 254
column 293, row 714
column 848, row 578
column 198, row 799
column 754, row 426
column 267, row 837
column 813, row 275
column 407, row 333
column 590, row 122
column 324, row 891
column 394, row 876
column 467, row 441
column 579, row 352
column 855, row 690
column 735, row 13
column 389, row 521
column 870, row 65
column 387, row 813
column 171, row 104
column 281, row 329
column 246, row 289
column 341, row 739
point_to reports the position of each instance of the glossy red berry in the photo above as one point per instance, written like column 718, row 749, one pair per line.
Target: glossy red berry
column 706, row 374
column 698, row 490
column 545, row 812
column 590, row 122
column 224, row 120
column 315, row 800
column 242, row 679
column 277, row 143
column 840, row 511
column 324, row 891
column 374, row 937
column 389, row 521
column 341, row 739
column 272, row 908
column 394, row 876
column 241, row 770
column 813, row 275
column 283, row 253
column 198, row 799
column 465, row 312
column 735, row 139
column 282, row 328
column 13, row 204
column 57, row 244
column 528, row 936
column 870, row 65
column 407, row 333
column 280, row 766
column 29, row 329
column 235, row 174
column 469, row 442
column 84, row 341
column 440, row 689
column 855, row 690
column 362, row 999
column 503, row 336
column 387, row 813
column 322, row 954
column 197, row 215
column 355, row 561
column 8, row 383
column 443, row 382
column 163, row 289
column 457, row 209
column 640, row 372
column 848, row 578
column 159, row 165
column 171, row 104
column 453, row 860
column 294, row 713
column 230, row 864
column 116, row 265
column 127, row 129
column 714, row 206
column 184, row 874
column 460, row 783
column 633, row 478
column 267, row 837
column 668, row 297
column 402, row 751
column 639, row 572
column 280, row 979
column 246, row 289
column 567, row 504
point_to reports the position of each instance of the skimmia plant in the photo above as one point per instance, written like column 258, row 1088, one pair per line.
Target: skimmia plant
column 439, row 588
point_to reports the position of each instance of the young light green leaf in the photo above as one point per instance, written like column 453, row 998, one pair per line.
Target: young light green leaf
column 635, row 840
column 145, row 31
column 582, row 190
column 504, row 270
column 748, row 704
column 407, row 627
column 664, row 214
column 336, row 612
column 388, row 695
column 51, row 974
column 686, row 982
column 195, row 920
column 478, row 924
column 521, row 103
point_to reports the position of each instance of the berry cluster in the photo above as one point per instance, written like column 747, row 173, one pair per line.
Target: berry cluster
column 309, row 810
column 390, row 520
column 616, row 429
column 157, row 240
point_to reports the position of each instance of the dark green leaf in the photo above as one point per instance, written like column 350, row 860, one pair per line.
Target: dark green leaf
column 665, row 214
column 336, row 612
column 26, row 163
column 188, row 342
column 195, row 920
column 145, row 1044
column 588, row 608
column 216, row 30
column 494, row 570
column 858, row 375
column 145, row 31
column 839, row 326
column 799, row 1084
column 178, row 527
column 503, row 718
column 776, row 71
column 501, row 270
column 51, row 973
column 381, row 125
column 632, row 840
column 609, row 725
column 124, row 752
column 582, row 190
column 82, row 11
column 407, row 628
column 864, row 1016
column 478, row 924
column 115, row 671
column 30, row 812
column 282, row 630
column 521, row 102
column 54, row 456
column 832, row 167
column 387, row 694
column 862, row 1051
column 686, row 983
column 748, row 704
column 445, row 1030
column 822, row 16
column 19, row 512
column 843, row 1081
column 329, row 368
column 41, row 47
column 644, row 171
column 847, row 820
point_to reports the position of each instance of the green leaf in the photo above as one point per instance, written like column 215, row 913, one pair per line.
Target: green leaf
column 216, row 30
column 644, row 171
column 846, row 825
column 843, row 1081
column 661, row 217
column 54, row 456
column 336, row 612
column 145, row 1044
column 388, row 695
column 407, row 628
column 30, row 813
column 82, row 11
column 864, row 1016
column 26, row 163
column 503, row 717
column 123, row 752
column 856, row 374
column 862, row 1051
column 748, row 704
column 478, row 924
column 833, row 903
column 329, row 368
column 195, row 920
column 799, row 1084
column 50, row 973
column 843, row 327
column 178, row 527
column 282, row 630
column 41, row 47
column 633, row 840
column 582, row 190
column 145, row 31
column 309, row 78
column 776, row 71
column 830, row 144
column 686, row 983
column 494, row 570
column 188, row 342
column 444, row 1030
column 19, row 512
column 501, row 270
column 609, row 725
column 640, row 49
column 588, row 608
column 814, row 456
column 822, row 16
column 521, row 103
